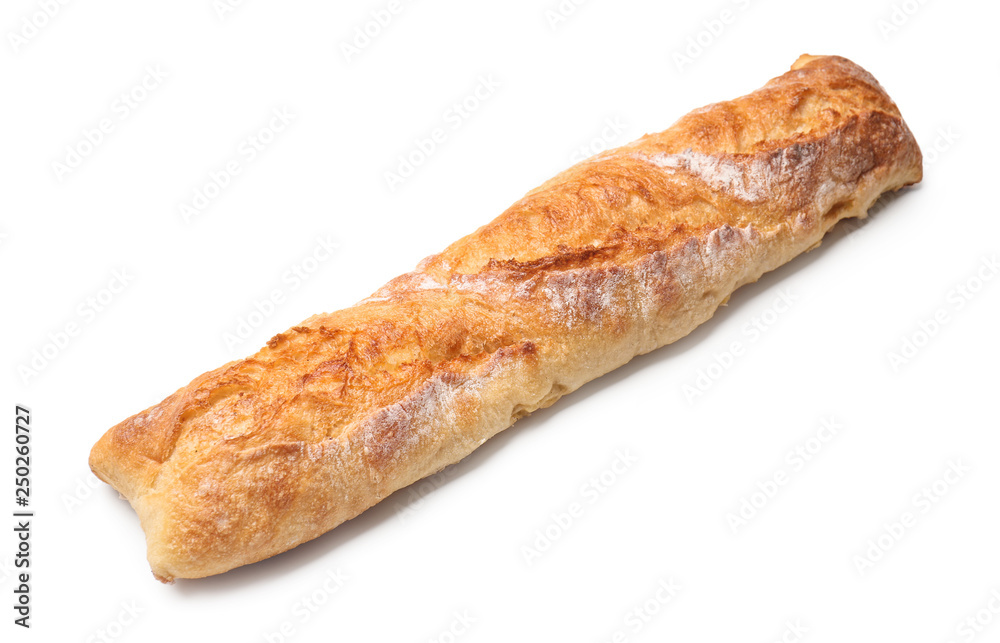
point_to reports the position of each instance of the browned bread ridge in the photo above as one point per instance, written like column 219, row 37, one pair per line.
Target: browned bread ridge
column 616, row 256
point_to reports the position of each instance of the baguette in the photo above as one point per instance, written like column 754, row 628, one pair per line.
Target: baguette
column 618, row 255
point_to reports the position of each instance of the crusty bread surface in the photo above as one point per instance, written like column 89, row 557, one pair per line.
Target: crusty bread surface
column 616, row 256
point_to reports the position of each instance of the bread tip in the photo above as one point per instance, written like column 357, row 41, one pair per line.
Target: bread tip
column 804, row 60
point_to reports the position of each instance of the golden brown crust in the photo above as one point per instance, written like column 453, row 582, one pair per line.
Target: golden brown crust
column 614, row 257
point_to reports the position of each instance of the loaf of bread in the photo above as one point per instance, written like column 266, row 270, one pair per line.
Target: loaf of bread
column 618, row 255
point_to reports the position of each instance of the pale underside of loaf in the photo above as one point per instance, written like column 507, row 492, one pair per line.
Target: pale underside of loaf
column 623, row 253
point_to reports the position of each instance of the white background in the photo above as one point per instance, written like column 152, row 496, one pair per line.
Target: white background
column 419, row 558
